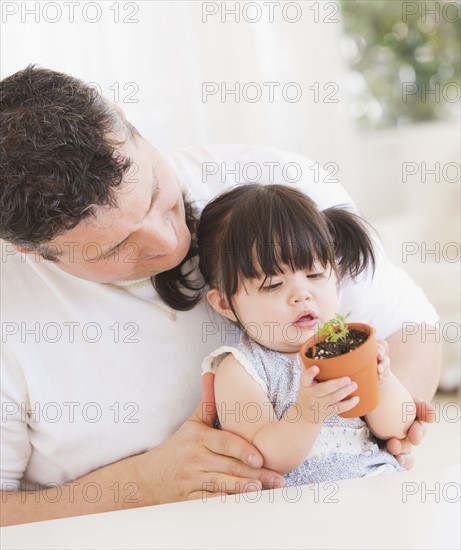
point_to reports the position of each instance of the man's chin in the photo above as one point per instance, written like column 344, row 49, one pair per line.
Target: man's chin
column 145, row 270
column 139, row 275
column 154, row 266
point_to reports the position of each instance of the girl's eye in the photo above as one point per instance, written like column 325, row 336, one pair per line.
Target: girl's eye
column 270, row 288
column 315, row 276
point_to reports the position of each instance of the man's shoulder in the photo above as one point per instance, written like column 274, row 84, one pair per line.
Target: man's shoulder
column 226, row 151
column 222, row 148
column 207, row 170
column 11, row 260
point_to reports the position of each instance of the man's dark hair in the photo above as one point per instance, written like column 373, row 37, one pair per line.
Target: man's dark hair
column 57, row 160
column 59, row 164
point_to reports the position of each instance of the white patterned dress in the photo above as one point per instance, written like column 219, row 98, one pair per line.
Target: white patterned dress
column 345, row 448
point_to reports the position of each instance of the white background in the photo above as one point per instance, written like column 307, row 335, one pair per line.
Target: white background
column 158, row 55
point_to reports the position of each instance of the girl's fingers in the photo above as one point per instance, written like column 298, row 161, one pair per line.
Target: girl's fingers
column 384, row 346
column 342, row 393
column 383, row 370
column 323, row 389
column 348, row 404
column 307, row 378
column 383, row 350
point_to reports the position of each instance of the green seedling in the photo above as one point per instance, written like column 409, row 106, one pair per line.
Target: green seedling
column 335, row 329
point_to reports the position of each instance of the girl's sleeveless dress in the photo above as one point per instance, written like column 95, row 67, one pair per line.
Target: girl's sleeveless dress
column 345, row 448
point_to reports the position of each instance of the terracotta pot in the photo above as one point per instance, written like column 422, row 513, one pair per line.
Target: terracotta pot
column 361, row 365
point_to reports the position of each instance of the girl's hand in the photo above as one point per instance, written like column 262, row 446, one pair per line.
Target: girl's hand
column 384, row 363
column 319, row 400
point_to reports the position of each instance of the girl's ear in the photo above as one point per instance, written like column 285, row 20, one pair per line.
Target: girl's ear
column 219, row 303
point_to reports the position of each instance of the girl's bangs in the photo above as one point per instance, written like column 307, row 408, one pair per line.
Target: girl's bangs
column 280, row 232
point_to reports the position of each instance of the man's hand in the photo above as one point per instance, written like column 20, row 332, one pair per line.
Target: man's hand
column 195, row 462
column 401, row 448
column 199, row 461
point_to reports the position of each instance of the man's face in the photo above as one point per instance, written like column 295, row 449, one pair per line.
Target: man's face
column 148, row 225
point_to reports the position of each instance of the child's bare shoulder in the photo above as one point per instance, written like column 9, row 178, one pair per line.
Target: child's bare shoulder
column 229, row 364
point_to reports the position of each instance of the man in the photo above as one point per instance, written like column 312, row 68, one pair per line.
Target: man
column 100, row 372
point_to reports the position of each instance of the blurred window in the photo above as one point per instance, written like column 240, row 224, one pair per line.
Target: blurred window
column 404, row 59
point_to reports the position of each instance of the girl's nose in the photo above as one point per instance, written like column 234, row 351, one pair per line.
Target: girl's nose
column 300, row 288
column 301, row 297
column 300, row 294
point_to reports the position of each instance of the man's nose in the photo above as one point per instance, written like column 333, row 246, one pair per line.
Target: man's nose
column 158, row 238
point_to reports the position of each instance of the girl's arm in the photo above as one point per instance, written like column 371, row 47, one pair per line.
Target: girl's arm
column 396, row 410
column 244, row 409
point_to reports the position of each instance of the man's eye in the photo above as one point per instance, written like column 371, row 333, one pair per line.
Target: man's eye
column 111, row 254
column 270, row 288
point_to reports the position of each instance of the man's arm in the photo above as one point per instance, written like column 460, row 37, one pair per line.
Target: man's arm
column 195, row 461
column 417, row 364
column 113, row 487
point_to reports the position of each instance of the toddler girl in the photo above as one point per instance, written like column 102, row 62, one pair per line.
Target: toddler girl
column 273, row 263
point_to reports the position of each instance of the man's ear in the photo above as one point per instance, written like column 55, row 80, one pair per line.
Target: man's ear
column 119, row 110
column 219, row 303
column 24, row 250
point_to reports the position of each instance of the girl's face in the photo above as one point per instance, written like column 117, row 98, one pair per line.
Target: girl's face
column 285, row 310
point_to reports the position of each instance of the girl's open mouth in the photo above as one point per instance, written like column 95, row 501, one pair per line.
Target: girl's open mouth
column 306, row 319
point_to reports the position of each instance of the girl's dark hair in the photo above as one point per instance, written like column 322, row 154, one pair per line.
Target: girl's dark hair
column 270, row 226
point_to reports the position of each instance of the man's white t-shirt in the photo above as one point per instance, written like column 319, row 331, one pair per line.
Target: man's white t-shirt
column 93, row 373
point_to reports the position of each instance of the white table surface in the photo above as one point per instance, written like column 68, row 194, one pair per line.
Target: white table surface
column 417, row 509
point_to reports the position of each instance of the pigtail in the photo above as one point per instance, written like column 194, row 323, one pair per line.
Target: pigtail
column 352, row 243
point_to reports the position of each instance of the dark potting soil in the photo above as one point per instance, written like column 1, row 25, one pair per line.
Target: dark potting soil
column 326, row 350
